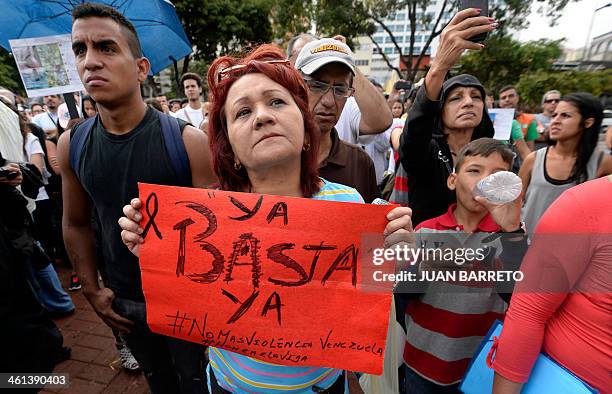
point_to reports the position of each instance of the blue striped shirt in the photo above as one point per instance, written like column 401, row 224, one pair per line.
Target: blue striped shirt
column 241, row 374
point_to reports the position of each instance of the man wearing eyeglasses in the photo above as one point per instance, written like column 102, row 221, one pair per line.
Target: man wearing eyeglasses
column 328, row 68
column 549, row 105
column 365, row 114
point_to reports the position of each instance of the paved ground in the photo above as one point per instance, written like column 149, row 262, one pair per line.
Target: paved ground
column 94, row 363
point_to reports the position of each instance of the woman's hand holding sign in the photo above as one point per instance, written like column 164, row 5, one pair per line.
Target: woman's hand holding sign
column 131, row 230
column 398, row 230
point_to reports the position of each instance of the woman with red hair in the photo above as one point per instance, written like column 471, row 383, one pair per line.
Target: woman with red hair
column 264, row 140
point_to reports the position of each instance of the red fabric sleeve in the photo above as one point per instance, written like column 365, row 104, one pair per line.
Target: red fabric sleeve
column 554, row 263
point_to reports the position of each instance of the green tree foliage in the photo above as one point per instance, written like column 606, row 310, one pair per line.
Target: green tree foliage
column 504, row 60
column 513, row 14
column 349, row 18
column 531, row 86
column 9, row 76
column 291, row 17
column 218, row 27
column 510, row 15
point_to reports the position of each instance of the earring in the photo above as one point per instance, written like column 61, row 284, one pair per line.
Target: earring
column 237, row 166
column 306, row 147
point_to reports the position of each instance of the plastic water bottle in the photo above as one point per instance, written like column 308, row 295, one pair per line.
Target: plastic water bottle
column 499, row 188
column 380, row 201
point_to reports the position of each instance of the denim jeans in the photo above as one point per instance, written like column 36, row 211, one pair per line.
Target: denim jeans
column 170, row 365
column 415, row 384
column 49, row 291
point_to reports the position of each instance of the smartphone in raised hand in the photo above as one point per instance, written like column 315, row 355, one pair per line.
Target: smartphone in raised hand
column 402, row 85
column 483, row 5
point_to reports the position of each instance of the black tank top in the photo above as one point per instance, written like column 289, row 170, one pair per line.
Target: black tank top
column 109, row 170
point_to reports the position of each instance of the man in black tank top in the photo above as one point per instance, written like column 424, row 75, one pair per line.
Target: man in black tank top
column 125, row 146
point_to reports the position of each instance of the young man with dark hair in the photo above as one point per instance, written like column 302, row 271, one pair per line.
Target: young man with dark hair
column 483, row 147
column 89, row 10
column 194, row 112
column 122, row 146
column 446, row 323
column 175, row 105
column 163, row 102
column 49, row 121
column 509, row 98
column 36, row 109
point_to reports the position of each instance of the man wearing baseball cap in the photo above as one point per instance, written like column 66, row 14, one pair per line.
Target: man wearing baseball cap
column 328, row 68
column 365, row 114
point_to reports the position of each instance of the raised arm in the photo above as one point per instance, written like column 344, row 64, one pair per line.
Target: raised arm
column 376, row 116
column 414, row 145
column 454, row 40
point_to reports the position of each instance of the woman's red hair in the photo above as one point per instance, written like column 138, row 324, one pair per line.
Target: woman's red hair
column 285, row 75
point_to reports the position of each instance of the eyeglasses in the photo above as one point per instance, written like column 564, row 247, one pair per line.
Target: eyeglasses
column 233, row 69
column 322, row 88
column 552, row 101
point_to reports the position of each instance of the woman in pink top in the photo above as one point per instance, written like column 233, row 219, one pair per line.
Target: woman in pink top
column 569, row 317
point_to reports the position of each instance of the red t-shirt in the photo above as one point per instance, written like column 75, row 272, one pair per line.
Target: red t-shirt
column 571, row 318
column 446, row 324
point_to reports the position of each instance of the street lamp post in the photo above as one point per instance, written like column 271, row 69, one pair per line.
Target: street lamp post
column 586, row 44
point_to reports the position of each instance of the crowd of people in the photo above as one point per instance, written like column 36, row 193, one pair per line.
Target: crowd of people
column 305, row 122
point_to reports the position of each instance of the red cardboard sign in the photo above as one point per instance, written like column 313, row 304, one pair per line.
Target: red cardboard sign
column 270, row 277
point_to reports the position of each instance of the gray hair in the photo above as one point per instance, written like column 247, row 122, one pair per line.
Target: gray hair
column 291, row 44
column 550, row 92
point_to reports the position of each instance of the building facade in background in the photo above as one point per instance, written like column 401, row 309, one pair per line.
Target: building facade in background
column 597, row 56
column 599, row 53
column 399, row 24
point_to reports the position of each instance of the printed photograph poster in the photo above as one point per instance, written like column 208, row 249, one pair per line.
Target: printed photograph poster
column 502, row 122
column 46, row 65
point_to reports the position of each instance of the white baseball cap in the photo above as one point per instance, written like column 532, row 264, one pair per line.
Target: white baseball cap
column 317, row 54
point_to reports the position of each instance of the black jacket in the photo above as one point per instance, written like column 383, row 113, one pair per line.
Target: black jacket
column 425, row 154
column 29, row 339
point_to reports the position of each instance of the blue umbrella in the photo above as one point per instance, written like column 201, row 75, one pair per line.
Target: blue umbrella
column 159, row 29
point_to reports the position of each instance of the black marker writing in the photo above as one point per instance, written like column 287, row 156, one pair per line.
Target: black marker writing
column 152, row 199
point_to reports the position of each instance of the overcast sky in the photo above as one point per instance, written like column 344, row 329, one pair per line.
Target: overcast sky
column 573, row 25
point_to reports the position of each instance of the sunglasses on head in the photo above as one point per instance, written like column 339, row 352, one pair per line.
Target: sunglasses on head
column 233, row 69
column 549, row 101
